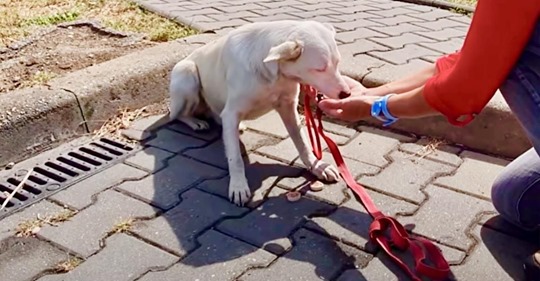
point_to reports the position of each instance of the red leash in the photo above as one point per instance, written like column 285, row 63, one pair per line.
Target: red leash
column 420, row 248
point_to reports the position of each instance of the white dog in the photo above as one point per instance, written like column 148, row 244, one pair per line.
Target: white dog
column 247, row 73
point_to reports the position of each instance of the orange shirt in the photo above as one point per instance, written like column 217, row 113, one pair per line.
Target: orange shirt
column 468, row 79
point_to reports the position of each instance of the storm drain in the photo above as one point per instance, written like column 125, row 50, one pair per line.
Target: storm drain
column 59, row 173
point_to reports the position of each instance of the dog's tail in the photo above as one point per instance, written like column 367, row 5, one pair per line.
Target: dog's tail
column 184, row 90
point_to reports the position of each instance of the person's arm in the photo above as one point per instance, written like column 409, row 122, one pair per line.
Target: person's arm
column 404, row 84
column 499, row 31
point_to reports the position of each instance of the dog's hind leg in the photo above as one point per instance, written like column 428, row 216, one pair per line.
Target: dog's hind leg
column 184, row 91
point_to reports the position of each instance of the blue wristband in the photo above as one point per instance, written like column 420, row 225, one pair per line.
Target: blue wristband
column 380, row 106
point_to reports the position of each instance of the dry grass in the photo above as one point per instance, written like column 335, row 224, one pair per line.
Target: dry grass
column 31, row 227
column 67, row 265
column 20, row 18
column 122, row 226
column 428, row 149
column 113, row 127
column 471, row 3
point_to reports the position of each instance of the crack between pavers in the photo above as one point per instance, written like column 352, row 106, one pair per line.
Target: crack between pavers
column 430, row 158
column 85, row 122
column 444, row 186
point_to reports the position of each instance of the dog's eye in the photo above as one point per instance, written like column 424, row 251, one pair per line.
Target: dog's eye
column 320, row 69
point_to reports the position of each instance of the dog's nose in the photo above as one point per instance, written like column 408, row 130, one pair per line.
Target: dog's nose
column 343, row 95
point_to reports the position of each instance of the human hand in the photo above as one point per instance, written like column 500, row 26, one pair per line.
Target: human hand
column 355, row 87
column 354, row 108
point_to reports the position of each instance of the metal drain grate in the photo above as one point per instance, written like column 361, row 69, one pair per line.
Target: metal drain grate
column 59, row 173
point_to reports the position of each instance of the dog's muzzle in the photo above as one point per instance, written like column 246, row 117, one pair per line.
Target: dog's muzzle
column 343, row 95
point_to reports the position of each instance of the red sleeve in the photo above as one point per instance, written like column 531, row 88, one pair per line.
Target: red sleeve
column 467, row 80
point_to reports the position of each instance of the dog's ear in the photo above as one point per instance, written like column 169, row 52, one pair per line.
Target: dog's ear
column 330, row 27
column 289, row 50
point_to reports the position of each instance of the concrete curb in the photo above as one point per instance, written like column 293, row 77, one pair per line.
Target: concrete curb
column 441, row 4
column 82, row 101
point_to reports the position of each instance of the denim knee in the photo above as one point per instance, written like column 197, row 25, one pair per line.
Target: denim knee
column 515, row 192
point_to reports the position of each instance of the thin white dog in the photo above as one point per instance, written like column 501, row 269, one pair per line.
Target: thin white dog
column 247, row 73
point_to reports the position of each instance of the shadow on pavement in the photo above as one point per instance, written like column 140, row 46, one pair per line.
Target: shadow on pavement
column 205, row 229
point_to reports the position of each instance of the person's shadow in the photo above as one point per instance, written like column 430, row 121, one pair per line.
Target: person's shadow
column 508, row 245
column 199, row 224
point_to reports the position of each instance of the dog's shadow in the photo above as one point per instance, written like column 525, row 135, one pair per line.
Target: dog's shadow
column 209, row 232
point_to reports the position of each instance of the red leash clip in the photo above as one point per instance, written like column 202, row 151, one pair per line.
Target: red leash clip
column 421, row 249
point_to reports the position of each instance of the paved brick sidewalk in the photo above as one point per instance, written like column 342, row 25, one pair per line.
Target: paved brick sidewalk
column 381, row 39
column 184, row 228
column 162, row 214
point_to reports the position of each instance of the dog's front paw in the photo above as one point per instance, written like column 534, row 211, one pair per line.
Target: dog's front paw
column 195, row 124
column 239, row 192
column 325, row 171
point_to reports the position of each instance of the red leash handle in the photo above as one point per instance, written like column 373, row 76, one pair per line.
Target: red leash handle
column 420, row 248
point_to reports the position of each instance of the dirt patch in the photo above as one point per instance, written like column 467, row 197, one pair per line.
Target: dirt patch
column 64, row 50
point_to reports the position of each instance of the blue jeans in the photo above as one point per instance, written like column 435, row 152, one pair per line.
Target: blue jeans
column 516, row 192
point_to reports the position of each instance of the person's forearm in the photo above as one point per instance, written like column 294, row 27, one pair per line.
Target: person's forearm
column 405, row 84
column 410, row 105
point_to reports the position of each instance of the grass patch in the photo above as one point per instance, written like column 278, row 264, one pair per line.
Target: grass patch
column 31, row 227
column 122, row 226
column 471, row 3
column 19, row 18
column 40, row 78
column 67, row 265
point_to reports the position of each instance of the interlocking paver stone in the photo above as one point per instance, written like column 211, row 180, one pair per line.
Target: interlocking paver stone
column 391, row 12
column 177, row 229
column 467, row 177
column 381, row 268
column 83, row 232
column 439, row 24
column 79, row 196
column 313, row 257
column 350, row 223
column 407, row 53
column 448, row 47
column 175, row 142
column 360, row 46
column 425, row 148
column 150, row 159
column 352, row 25
column 387, row 72
column 262, row 174
column 357, row 34
column 270, row 124
column 406, row 176
column 497, row 257
column 444, row 34
column 395, row 20
column 361, row 64
column 402, row 40
column 287, row 152
column 43, row 209
column 394, row 30
column 214, row 153
column 219, row 257
column 25, row 258
column 371, row 146
column 447, row 215
column 269, row 225
column 358, row 8
column 162, row 189
column 432, row 15
column 124, row 258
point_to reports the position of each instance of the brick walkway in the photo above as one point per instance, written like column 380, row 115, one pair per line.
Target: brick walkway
column 175, row 187
column 382, row 39
column 185, row 229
